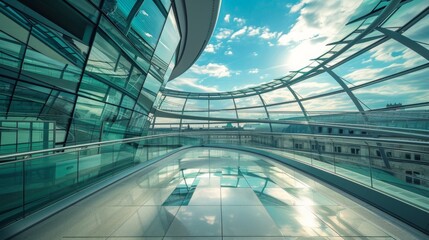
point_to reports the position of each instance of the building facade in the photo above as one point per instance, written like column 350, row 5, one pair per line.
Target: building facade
column 74, row 72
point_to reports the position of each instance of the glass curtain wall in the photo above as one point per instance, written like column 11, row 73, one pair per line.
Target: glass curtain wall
column 96, row 77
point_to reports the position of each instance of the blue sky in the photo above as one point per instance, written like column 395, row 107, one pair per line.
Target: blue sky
column 254, row 41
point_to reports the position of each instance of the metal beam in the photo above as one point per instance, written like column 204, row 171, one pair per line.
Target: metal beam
column 419, row 49
column 266, row 111
column 181, row 114
column 348, row 91
column 299, row 103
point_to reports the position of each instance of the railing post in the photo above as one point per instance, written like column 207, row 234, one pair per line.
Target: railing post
column 77, row 166
column 370, row 165
column 23, row 188
column 333, row 150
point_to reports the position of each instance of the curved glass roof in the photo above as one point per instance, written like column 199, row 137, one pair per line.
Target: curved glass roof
column 376, row 66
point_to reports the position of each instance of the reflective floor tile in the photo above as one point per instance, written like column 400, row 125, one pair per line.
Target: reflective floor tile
column 274, row 197
column 259, row 183
column 132, row 238
column 192, row 238
column 78, row 222
column 196, row 221
column 346, row 222
column 84, row 238
column 159, row 196
column 239, row 197
column 298, row 221
column 234, row 181
column 252, row 221
column 96, row 221
column 148, row 221
column 208, row 180
column 309, row 197
column 283, row 180
column 253, row 238
column 206, row 196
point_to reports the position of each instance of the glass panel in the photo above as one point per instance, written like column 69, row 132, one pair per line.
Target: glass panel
column 11, row 193
column 252, row 101
column 148, row 22
column 48, row 179
column 118, row 11
column 403, row 90
column 169, row 39
column 322, row 83
column 173, row 104
column 277, row 96
column 135, row 82
column 151, row 87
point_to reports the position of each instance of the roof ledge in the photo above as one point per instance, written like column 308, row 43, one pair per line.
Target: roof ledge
column 197, row 19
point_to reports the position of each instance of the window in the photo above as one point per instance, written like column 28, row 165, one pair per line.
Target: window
column 355, row 151
column 320, row 129
column 389, row 154
column 351, row 131
column 408, row 177
column 340, row 131
column 148, row 22
column 412, row 177
column 337, row 149
column 378, row 153
column 407, row 155
column 417, row 157
column 329, row 130
column 322, row 148
column 313, row 147
column 298, row 145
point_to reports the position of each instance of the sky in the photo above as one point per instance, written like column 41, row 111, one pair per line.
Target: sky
column 257, row 41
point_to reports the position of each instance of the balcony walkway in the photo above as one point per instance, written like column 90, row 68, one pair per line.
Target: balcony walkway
column 204, row 193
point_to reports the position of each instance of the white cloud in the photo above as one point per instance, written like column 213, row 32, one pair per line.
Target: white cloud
column 212, row 69
column 228, row 52
column 246, row 86
column 312, row 88
column 391, row 51
column 267, row 34
column 364, row 74
column 253, row 71
column 227, row 17
column 253, row 31
column 295, row 8
column 239, row 32
column 148, row 34
column 318, row 22
column 223, row 33
column 210, row 48
column 254, row 54
column 184, row 83
column 239, row 21
column 145, row 13
column 271, row 44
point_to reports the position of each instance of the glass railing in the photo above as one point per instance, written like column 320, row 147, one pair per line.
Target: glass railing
column 34, row 180
column 396, row 167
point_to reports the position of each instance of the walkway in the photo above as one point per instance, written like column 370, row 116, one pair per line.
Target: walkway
column 204, row 193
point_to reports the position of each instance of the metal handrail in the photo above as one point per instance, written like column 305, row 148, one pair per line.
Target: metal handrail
column 365, row 127
column 81, row 146
column 196, row 133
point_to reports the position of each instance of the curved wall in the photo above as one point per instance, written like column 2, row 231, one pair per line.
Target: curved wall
column 88, row 70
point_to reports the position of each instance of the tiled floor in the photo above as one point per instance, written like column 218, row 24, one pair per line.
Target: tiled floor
column 216, row 194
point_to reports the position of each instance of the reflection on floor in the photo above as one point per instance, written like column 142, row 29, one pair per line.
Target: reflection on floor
column 215, row 194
